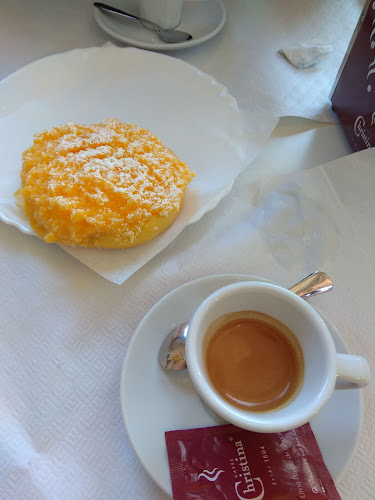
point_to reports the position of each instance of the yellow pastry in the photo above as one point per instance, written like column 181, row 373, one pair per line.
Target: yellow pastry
column 106, row 185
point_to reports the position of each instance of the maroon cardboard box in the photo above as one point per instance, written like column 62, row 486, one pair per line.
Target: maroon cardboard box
column 353, row 95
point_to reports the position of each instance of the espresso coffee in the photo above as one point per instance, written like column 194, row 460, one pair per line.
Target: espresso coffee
column 253, row 361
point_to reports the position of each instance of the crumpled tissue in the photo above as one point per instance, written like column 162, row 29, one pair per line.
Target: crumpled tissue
column 306, row 54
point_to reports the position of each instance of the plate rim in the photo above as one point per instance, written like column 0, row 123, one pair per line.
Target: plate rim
column 165, row 297
column 112, row 47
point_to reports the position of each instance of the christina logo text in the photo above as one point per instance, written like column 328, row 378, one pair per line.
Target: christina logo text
column 248, row 488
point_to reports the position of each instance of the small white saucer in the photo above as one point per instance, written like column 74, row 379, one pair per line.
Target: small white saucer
column 203, row 19
column 154, row 401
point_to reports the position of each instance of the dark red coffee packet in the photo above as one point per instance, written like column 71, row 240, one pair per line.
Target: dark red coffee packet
column 225, row 462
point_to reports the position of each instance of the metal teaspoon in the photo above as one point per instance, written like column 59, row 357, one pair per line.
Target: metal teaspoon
column 170, row 36
column 172, row 350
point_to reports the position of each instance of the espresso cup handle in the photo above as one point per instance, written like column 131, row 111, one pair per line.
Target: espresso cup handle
column 353, row 372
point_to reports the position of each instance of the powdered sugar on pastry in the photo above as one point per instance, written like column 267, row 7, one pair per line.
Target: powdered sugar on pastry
column 109, row 184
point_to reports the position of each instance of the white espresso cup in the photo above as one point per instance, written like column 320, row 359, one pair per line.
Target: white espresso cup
column 324, row 369
column 164, row 13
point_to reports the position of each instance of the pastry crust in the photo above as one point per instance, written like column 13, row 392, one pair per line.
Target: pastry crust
column 106, row 185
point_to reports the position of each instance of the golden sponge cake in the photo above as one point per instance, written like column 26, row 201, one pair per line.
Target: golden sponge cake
column 106, row 185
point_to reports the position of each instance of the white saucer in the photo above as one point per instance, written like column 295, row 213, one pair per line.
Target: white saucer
column 154, row 401
column 203, row 19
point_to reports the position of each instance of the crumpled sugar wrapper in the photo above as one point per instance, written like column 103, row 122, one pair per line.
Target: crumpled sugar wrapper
column 306, row 54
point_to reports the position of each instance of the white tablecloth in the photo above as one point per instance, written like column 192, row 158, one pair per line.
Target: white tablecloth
column 65, row 330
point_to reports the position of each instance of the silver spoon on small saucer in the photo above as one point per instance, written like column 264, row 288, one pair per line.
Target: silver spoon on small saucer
column 170, row 36
column 172, row 350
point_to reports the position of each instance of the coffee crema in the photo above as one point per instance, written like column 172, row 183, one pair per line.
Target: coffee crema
column 253, row 361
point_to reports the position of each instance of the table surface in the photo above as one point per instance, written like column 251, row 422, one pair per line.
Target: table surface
column 29, row 31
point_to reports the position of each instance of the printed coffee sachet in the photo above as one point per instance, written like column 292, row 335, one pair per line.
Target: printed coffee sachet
column 226, row 462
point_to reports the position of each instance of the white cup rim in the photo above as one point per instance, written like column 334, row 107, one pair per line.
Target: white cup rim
column 279, row 420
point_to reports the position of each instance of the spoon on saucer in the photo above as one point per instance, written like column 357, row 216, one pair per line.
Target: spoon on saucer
column 172, row 350
column 170, row 36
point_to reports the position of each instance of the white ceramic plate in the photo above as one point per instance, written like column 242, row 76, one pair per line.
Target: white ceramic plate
column 150, row 89
column 154, row 401
column 190, row 111
column 203, row 19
